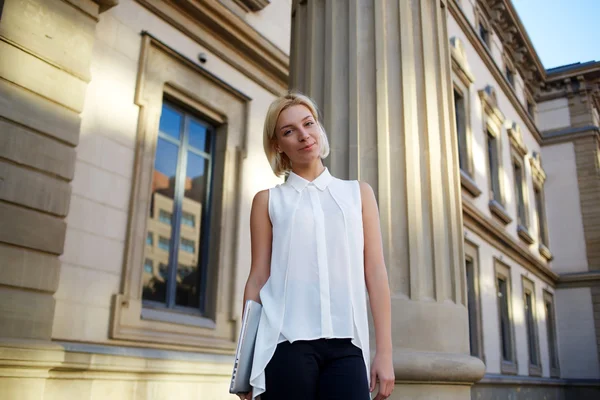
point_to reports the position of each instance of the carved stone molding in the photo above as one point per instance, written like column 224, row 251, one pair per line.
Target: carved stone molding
column 516, row 139
column 537, row 172
column 459, row 61
column 507, row 25
column 106, row 4
column 253, row 5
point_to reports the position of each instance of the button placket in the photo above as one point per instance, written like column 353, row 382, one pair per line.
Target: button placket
column 319, row 218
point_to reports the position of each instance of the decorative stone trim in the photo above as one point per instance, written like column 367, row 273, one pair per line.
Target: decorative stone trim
column 489, row 100
column 524, row 234
column 253, row 5
column 420, row 366
column 578, row 279
column 545, row 252
column 459, row 62
column 499, row 211
column 537, row 172
column 469, row 184
column 516, row 139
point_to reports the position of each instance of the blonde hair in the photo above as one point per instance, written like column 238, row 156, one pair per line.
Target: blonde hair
column 280, row 163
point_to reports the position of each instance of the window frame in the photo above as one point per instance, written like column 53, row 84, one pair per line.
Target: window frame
column 539, row 178
column 518, row 155
column 165, row 73
column 481, row 20
column 462, row 80
column 528, row 288
column 502, row 272
column 493, row 121
column 552, row 344
column 472, row 254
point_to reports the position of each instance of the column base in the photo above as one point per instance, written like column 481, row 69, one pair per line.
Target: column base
column 407, row 391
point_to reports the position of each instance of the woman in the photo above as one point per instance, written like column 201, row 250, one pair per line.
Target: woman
column 316, row 245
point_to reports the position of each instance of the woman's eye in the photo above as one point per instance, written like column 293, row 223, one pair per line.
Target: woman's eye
column 309, row 123
column 287, row 132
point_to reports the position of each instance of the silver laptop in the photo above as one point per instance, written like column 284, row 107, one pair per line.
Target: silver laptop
column 240, row 379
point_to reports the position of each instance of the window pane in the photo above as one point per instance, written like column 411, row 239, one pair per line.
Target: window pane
column 504, row 321
column 551, row 335
column 189, row 272
column 493, row 167
column 461, row 131
column 149, row 239
column 198, row 136
column 159, row 220
column 472, row 310
column 518, row 172
column 539, row 205
column 170, row 122
column 530, row 330
column 188, row 219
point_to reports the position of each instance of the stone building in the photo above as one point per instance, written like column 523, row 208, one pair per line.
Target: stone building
column 131, row 148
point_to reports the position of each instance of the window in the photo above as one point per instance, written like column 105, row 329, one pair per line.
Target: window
column 164, row 217
column 507, row 348
column 191, row 139
column 462, row 81
column 148, row 266
column 181, row 183
column 188, row 219
column 493, row 120
column 539, row 206
column 163, row 243
column 531, row 108
column 518, row 152
column 150, row 239
column 493, row 168
column 510, row 76
column 187, row 245
column 473, row 302
column 535, row 365
column 551, row 332
column 519, row 193
column 484, row 34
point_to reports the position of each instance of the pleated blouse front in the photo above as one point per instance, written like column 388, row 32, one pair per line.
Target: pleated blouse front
column 316, row 288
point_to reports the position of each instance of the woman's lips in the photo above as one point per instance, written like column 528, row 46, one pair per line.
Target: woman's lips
column 307, row 147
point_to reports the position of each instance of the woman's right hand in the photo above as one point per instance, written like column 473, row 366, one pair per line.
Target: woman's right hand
column 245, row 396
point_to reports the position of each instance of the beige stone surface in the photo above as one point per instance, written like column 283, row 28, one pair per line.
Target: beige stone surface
column 28, row 269
column 26, row 147
column 92, row 251
column 32, row 229
column 101, row 186
column 565, row 222
column 75, row 321
column 92, row 217
column 577, row 346
column 25, row 314
column 553, row 114
column 83, row 286
column 22, row 388
column 36, row 112
column 46, row 28
column 47, row 80
column 34, row 189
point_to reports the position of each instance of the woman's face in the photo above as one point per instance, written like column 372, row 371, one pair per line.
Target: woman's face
column 298, row 135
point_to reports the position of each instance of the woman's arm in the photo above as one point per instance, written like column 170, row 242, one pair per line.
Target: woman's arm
column 376, row 279
column 261, row 234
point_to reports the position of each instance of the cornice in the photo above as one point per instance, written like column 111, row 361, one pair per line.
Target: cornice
column 514, row 37
column 494, row 69
column 217, row 28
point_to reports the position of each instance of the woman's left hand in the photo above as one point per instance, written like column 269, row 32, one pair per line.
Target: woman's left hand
column 382, row 371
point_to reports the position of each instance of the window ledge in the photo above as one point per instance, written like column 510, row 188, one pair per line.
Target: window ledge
column 535, row 370
column 175, row 317
column 498, row 210
column 555, row 373
column 525, row 235
column 469, row 184
column 545, row 252
column 509, row 368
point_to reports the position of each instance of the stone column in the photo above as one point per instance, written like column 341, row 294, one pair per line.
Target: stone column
column 380, row 71
column 45, row 54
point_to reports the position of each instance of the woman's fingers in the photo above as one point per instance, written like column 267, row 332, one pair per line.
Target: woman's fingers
column 373, row 380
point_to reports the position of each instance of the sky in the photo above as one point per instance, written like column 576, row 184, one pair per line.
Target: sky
column 562, row 31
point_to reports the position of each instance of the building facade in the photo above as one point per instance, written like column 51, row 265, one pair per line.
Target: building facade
column 131, row 148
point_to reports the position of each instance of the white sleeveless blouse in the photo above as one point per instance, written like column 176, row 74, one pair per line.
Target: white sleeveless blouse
column 316, row 288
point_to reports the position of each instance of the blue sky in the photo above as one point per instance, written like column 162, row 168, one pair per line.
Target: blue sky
column 562, row 31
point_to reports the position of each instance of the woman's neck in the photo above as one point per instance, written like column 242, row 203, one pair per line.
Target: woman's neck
column 311, row 171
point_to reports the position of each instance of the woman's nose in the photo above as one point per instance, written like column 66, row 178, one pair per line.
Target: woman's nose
column 303, row 134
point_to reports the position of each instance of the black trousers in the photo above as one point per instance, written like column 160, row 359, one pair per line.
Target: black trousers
column 323, row 369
